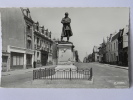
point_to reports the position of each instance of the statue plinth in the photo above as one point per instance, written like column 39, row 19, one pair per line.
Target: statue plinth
column 65, row 53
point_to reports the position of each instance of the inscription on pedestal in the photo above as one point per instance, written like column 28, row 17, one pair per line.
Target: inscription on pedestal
column 65, row 53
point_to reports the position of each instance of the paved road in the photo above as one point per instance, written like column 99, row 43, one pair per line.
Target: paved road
column 11, row 79
column 104, row 76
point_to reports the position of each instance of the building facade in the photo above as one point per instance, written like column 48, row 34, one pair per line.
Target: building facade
column 25, row 44
column 114, row 49
column 95, row 54
column 102, row 52
column 42, row 46
column 123, row 46
column 108, row 49
column 17, row 39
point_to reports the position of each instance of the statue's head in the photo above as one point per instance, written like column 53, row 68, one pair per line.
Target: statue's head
column 66, row 14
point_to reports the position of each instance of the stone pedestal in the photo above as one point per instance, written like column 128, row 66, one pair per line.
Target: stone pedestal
column 65, row 53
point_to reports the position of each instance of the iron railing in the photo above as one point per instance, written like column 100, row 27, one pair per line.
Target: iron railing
column 51, row 73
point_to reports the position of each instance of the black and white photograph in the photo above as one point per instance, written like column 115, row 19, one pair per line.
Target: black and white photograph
column 65, row 47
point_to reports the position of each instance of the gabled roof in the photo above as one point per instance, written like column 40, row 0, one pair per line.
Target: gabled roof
column 115, row 36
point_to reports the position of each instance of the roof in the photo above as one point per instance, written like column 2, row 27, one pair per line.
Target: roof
column 115, row 36
column 126, row 30
column 95, row 49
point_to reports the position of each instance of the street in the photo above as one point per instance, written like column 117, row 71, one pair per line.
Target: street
column 104, row 76
column 107, row 77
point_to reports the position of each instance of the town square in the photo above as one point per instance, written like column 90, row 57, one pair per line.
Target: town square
column 65, row 47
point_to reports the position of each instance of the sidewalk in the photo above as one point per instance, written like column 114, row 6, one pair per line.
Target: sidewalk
column 115, row 66
column 22, row 71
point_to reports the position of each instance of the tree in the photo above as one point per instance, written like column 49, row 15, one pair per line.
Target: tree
column 76, row 55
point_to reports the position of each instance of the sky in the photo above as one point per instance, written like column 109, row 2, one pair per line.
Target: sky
column 89, row 25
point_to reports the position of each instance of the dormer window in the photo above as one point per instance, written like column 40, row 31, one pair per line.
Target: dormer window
column 37, row 28
column 50, row 34
column 43, row 31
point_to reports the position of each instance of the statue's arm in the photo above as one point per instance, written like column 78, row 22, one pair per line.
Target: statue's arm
column 62, row 21
column 68, row 21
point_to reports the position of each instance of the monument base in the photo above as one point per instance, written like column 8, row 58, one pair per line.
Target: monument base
column 66, row 67
column 65, row 53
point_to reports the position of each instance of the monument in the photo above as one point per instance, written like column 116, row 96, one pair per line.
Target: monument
column 65, row 50
column 66, row 29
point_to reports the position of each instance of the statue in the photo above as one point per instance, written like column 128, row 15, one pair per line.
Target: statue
column 66, row 29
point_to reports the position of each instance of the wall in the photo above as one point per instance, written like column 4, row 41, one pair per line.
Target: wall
column 12, row 28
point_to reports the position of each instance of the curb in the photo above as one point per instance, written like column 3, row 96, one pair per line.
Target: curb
column 115, row 66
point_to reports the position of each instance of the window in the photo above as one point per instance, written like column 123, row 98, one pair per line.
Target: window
column 37, row 40
column 46, row 33
column 17, row 59
column 44, row 44
column 29, row 59
column 28, row 30
column 28, row 44
column 37, row 54
column 21, row 60
column 43, row 31
column 4, row 59
column 37, row 27
column 34, row 39
column 114, row 46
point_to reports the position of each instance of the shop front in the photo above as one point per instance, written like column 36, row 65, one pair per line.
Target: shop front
column 20, row 58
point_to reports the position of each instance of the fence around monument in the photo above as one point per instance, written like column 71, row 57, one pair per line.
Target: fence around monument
column 70, row 74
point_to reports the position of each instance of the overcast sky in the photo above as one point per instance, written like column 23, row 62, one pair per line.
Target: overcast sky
column 89, row 25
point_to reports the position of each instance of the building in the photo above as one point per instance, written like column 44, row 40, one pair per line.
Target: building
column 123, row 46
column 90, row 58
column 85, row 60
column 102, row 52
column 114, row 49
column 42, row 46
column 17, row 39
column 108, row 49
column 95, row 54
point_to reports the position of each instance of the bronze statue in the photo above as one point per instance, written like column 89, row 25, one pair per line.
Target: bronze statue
column 66, row 29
